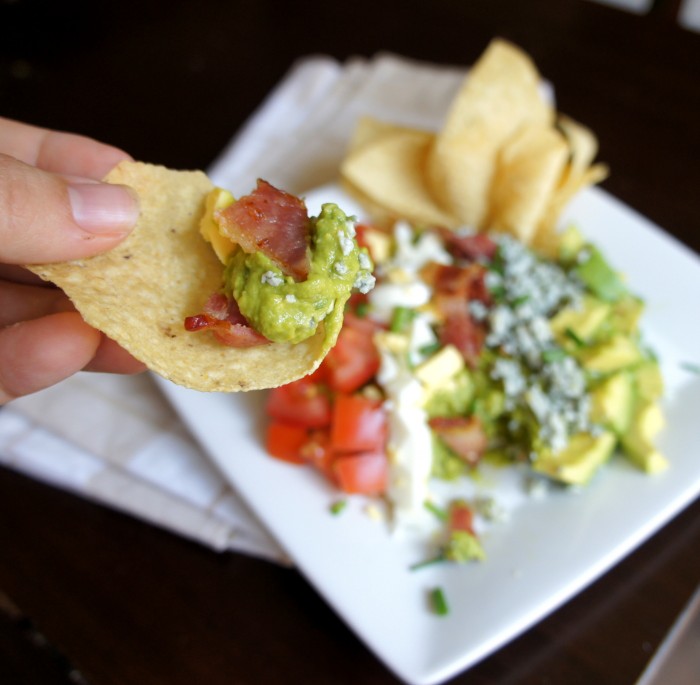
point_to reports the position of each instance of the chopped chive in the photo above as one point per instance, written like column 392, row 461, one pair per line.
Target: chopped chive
column 401, row 319
column 338, row 506
column 571, row 334
column 362, row 309
column 690, row 366
column 498, row 293
column 434, row 509
column 553, row 355
column 520, row 300
column 438, row 601
column 427, row 562
column 427, row 350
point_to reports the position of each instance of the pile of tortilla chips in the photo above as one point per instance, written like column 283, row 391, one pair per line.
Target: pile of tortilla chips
column 140, row 292
column 503, row 161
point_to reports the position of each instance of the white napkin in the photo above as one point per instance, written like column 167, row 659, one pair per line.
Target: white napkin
column 114, row 439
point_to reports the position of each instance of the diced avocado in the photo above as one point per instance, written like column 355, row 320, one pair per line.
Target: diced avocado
column 626, row 314
column 463, row 547
column 579, row 460
column 612, row 355
column 582, row 321
column 613, row 401
column 638, row 443
column 599, row 276
column 570, row 243
column 436, row 371
column 648, row 380
column 453, row 398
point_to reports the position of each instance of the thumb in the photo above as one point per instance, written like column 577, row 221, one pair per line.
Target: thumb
column 47, row 218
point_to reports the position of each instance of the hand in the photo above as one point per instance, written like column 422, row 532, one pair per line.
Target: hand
column 53, row 208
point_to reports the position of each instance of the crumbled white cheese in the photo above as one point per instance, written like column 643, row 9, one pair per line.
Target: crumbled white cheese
column 387, row 296
column 271, row 278
column 347, row 245
column 364, row 282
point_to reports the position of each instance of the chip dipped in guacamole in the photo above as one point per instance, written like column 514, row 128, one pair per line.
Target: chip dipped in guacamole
column 285, row 272
column 171, row 267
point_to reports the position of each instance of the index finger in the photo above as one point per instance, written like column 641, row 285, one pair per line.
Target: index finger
column 58, row 152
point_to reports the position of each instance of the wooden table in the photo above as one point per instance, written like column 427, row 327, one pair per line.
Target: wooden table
column 89, row 595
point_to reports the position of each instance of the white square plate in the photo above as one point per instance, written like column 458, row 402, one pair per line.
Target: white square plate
column 544, row 554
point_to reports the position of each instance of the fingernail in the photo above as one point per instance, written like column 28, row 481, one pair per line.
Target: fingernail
column 103, row 208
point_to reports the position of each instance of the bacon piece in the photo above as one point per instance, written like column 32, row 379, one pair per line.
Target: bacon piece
column 464, row 435
column 223, row 317
column 272, row 222
column 454, row 288
column 471, row 247
column 460, row 329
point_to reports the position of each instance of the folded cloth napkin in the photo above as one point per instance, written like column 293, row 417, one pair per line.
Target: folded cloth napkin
column 115, row 439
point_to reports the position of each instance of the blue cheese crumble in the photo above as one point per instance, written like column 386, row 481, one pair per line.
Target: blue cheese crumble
column 536, row 376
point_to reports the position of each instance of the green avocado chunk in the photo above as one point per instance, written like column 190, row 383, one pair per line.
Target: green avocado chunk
column 612, row 355
column 582, row 321
column 612, row 402
column 649, row 381
column 579, row 460
column 599, row 277
column 638, row 441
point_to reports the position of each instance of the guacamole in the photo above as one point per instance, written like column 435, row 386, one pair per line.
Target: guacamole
column 278, row 306
column 285, row 310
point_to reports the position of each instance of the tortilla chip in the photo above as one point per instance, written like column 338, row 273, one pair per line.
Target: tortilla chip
column 140, row 292
column 499, row 96
column 528, row 169
column 369, row 130
column 389, row 170
column 579, row 173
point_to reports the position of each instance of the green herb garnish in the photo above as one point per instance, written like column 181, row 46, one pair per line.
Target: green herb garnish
column 338, row 506
column 427, row 562
column 401, row 319
column 362, row 309
column 428, row 350
column 438, row 601
column 554, row 354
column 434, row 509
column 572, row 335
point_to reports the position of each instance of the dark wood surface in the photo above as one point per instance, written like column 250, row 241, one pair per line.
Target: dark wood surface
column 90, row 595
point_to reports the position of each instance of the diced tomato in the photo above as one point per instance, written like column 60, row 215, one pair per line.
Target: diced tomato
column 317, row 451
column 285, row 441
column 301, row 403
column 318, row 376
column 364, row 473
column 358, row 424
column 476, row 246
column 353, row 361
column 460, row 517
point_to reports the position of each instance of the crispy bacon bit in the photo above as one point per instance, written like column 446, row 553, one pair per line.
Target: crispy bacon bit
column 272, row 222
column 455, row 287
column 471, row 247
column 465, row 436
column 222, row 316
column 460, row 329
